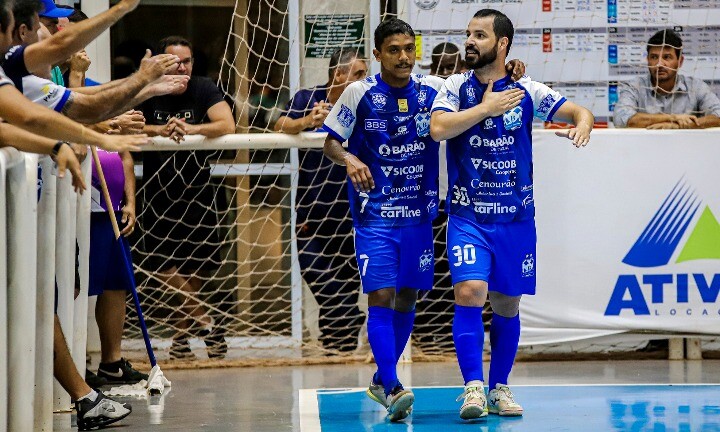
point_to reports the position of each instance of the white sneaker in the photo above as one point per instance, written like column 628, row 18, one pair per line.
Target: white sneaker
column 502, row 402
column 376, row 392
column 399, row 403
column 475, row 404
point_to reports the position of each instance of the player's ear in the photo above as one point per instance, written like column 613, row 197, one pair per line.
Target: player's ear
column 502, row 44
column 376, row 54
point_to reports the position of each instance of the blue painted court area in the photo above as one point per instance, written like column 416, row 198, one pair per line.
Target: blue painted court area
column 584, row 408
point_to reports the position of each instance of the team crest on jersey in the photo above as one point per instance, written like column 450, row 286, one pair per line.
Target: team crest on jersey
column 379, row 100
column 345, row 117
column 426, row 260
column 546, row 105
column 422, row 124
column 512, row 119
column 422, row 97
column 489, row 123
column 528, row 266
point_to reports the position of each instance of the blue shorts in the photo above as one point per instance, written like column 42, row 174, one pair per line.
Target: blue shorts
column 107, row 269
column 503, row 254
column 397, row 258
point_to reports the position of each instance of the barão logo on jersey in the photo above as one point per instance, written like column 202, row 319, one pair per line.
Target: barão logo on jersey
column 664, row 292
column 405, row 149
column 501, row 142
column 399, row 212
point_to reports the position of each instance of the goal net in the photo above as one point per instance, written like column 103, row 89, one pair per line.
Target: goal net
column 247, row 243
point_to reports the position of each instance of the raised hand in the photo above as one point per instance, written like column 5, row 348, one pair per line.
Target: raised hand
column 499, row 102
column 516, row 69
column 156, row 66
column 80, row 62
column 168, row 84
column 131, row 122
column 121, row 143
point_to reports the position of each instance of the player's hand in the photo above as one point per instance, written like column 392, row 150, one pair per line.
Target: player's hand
column 128, row 217
column 168, row 84
column 685, row 121
column 156, row 66
column 359, row 174
column 579, row 135
column 516, row 69
column 121, row 143
column 65, row 160
column 499, row 102
column 318, row 114
column 131, row 5
column 664, row 125
column 131, row 122
column 80, row 151
column 80, row 62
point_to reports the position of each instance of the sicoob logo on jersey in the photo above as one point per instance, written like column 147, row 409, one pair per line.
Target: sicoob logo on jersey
column 512, row 119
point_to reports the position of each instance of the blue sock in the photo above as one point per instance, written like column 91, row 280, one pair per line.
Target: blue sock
column 469, row 336
column 403, row 325
column 382, row 341
column 504, row 339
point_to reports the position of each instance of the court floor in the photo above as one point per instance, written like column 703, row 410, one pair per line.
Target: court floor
column 558, row 396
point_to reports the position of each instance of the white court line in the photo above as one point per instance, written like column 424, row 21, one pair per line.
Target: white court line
column 309, row 411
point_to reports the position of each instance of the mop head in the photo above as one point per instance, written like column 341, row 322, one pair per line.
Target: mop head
column 156, row 381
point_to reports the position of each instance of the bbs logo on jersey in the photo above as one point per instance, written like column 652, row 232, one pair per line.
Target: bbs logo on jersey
column 426, row 4
column 512, row 119
column 379, row 100
column 375, row 125
column 422, row 124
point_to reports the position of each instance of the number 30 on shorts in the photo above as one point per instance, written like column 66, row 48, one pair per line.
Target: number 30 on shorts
column 464, row 254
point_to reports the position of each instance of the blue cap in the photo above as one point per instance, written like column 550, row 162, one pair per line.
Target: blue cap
column 52, row 11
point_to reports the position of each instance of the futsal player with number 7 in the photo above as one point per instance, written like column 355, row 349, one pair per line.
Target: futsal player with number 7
column 392, row 165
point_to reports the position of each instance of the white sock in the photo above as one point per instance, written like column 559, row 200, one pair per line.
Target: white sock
column 92, row 396
column 474, row 383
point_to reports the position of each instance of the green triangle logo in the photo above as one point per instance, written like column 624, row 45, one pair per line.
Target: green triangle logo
column 704, row 241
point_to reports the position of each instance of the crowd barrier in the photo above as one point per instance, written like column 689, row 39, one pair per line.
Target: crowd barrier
column 628, row 234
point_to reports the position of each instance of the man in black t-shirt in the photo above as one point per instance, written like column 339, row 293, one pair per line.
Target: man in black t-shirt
column 179, row 218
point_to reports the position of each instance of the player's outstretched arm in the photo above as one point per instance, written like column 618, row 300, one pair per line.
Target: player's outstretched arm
column 62, row 45
column 581, row 117
column 28, row 142
column 21, row 112
column 445, row 124
column 357, row 171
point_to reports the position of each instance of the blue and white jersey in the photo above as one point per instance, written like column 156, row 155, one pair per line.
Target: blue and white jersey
column 388, row 129
column 490, row 171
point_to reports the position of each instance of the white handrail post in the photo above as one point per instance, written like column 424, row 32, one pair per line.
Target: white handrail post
column 45, row 298
column 65, row 244
column 5, row 155
column 81, row 302
column 22, row 286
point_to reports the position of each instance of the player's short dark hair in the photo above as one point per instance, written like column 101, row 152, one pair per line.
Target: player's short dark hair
column 173, row 41
column 666, row 37
column 25, row 11
column 502, row 26
column 391, row 27
column 341, row 58
column 5, row 14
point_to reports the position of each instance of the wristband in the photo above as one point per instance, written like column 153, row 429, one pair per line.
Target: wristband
column 56, row 147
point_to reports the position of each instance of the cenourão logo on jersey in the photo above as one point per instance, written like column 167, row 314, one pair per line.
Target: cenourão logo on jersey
column 656, row 246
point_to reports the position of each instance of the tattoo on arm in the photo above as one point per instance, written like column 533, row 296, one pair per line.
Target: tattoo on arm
column 68, row 104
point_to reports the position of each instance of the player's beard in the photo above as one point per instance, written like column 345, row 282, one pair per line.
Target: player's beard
column 481, row 60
